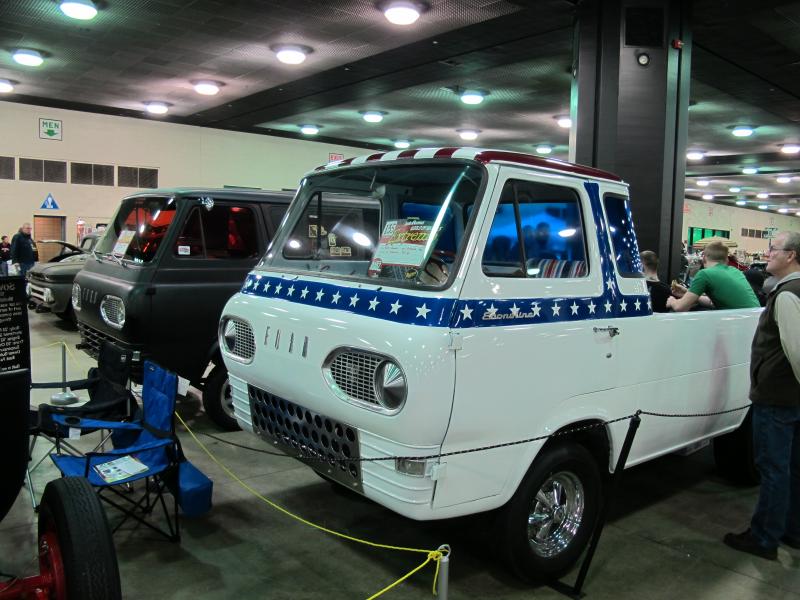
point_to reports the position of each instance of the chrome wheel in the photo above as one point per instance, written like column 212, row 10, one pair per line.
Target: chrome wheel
column 555, row 514
column 226, row 399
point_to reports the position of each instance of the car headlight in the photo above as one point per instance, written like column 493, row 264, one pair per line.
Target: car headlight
column 390, row 385
column 112, row 309
column 48, row 295
column 76, row 296
column 237, row 340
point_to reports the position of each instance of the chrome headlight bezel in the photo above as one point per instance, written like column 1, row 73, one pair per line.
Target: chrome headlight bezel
column 387, row 381
column 120, row 312
column 226, row 338
column 76, row 296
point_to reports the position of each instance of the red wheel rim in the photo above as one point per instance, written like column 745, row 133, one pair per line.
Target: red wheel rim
column 51, row 566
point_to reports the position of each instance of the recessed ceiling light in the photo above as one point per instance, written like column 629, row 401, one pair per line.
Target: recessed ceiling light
column 790, row 148
column 762, row 195
column 309, row 129
column 695, row 155
column 708, row 196
column 740, row 202
column 401, row 144
column 544, row 149
column 156, row 108
column 402, row 12
column 763, row 207
column 29, row 58
column 797, row 213
column 703, row 182
column 468, row 134
column 742, row 131
column 6, row 86
column 373, row 116
column 291, row 54
column 206, row 88
column 783, row 179
column 734, row 189
column 750, row 170
column 564, row 121
column 783, row 210
column 83, row 10
column 472, row 96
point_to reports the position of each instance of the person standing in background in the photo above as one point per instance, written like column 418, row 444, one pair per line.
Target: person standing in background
column 5, row 256
column 22, row 249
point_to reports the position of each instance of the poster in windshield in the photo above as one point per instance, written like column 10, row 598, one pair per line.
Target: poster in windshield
column 403, row 243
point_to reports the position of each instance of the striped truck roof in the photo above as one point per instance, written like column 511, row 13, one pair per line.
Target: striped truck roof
column 481, row 155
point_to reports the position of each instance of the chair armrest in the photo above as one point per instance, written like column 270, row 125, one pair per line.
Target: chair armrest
column 75, row 384
column 132, row 449
column 79, row 423
column 83, row 411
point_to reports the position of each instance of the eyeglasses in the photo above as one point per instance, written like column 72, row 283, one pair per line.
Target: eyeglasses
column 780, row 250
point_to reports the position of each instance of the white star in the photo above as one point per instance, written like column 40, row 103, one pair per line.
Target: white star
column 514, row 310
column 623, row 306
column 336, row 296
column 609, row 284
column 279, row 288
column 492, row 310
column 267, row 285
column 466, row 312
column 320, row 294
column 422, row 311
column 536, row 309
column 608, row 306
column 290, row 291
column 304, row 292
column 354, row 299
column 373, row 303
column 574, row 308
column 592, row 306
column 556, row 310
column 248, row 283
column 395, row 306
column 649, row 305
column 637, row 304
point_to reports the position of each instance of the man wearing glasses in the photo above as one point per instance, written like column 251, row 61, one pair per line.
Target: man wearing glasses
column 775, row 393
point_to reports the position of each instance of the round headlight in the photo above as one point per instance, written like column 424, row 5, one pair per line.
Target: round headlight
column 121, row 314
column 390, row 385
column 76, row 296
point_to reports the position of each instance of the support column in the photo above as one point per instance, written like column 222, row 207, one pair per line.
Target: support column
column 630, row 107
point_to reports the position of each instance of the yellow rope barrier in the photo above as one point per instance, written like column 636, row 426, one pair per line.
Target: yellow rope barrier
column 432, row 555
column 58, row 343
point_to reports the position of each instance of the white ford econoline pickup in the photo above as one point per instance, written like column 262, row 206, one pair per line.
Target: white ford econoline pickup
column 428, row 301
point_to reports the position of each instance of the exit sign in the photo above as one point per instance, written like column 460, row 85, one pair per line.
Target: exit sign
column 49, row 129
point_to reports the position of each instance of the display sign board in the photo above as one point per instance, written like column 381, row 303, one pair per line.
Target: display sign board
column 14, row 338
column 50, row 129
column 403, row 243
column 334, row 156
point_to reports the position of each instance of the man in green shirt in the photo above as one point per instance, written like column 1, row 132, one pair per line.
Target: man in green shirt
column 716, row 286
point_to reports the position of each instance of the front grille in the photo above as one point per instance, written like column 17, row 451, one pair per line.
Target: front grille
column 354, row 373
column 110, row 308
column 37, row 292
column 244, row 343
column 91, row 339
column 302, row 432
column 35, row 275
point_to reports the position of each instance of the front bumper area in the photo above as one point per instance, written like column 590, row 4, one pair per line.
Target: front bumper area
column 91, row 339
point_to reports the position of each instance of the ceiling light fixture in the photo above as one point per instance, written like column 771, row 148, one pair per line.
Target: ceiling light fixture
column 402, row 144
column 783, row 210
column 544, row 149
column 740, row 202
column 156, row 108
column 783, row 179
column 206, row 88
column 6, row 87
column 695, row 155
column 703, row 182
column 291, row 54
column 750, row 170
column 468, row 134
column 708, row 196
column 563, row 121
column 790, row 148
column 742, row 131
column 373, row 116
column 309, row 129
column 402, row 12
column 83, row 10
column 734, row 189
column 762, row 195
column 473, row 96
column 29, row 58
column 763, row 207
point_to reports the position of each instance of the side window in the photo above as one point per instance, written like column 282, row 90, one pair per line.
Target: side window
column 230, row 232
column 623, row 237
column 537, row 232
column 190, row 240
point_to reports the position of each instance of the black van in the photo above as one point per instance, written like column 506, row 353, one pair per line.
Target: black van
column 162, row 272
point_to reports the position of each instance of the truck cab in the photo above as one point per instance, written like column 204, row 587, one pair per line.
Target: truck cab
column 158, row 278
column 407, row 348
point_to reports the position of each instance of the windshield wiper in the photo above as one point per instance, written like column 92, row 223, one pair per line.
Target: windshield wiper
column 113, row 257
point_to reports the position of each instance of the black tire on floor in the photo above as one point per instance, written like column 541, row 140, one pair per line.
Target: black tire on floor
column 217, row 400
column 734, row 454
column 68, row 315
column 71, row 509
column 565, row 462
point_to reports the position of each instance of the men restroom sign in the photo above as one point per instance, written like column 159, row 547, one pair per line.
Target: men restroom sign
column 49, row 129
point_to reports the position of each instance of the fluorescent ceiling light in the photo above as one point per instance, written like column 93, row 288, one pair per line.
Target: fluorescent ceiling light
column 206, row 88
column 708, row 196
column 763, row 206
column 402, row 144
column 544, row 149
column 309, row 129
column 29, row 58
column 740, row 202
column 703, row 182
column 742, row 131
column 472, row 96
column 291, row 54
column 790, row 148
column 734, row 189
column 156, row 108
column 783, row 179
column 750, row 170
column 695, row 155
column 783, row 210
column 6, row 86
column 762, row 195
column 401, row 12
column 372, row 116
column 468, row 134
column 83, row 10
column 564, row 121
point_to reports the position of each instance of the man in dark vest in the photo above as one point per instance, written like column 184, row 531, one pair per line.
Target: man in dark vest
column 22, row 249
column 775, row 393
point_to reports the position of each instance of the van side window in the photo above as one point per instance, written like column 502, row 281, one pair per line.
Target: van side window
column 623, row 238
column 537, row 232
column 224, row 232
column 190, row 240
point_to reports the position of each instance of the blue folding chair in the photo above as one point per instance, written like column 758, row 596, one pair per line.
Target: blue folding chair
column 152, row 455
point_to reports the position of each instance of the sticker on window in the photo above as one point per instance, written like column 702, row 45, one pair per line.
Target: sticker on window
column 403, row 243
column 184, row 250
column 124, row 240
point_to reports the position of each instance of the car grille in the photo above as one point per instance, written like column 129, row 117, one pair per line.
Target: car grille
column 110, row 309
column 91, row 339
column 354, row 373
column 244, row 346
column 302, row 432
column 35, row 275
column 37, row 292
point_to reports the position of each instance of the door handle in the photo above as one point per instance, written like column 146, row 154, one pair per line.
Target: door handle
column 610, row 330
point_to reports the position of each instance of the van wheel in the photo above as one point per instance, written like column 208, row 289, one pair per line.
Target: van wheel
column 68, row 315
column 546, row 525
column 76, row 551
column 734, row 454
column 218, row 400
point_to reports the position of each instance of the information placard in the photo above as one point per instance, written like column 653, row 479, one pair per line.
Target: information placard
column 15, row 352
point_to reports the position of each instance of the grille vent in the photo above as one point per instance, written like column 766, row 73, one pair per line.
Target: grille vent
column 244, row 345
column 110, row 308
column 354, row 373
column 31, row 169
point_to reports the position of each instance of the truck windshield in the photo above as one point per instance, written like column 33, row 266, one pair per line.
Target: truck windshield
column 138, row 228
column 401, row 225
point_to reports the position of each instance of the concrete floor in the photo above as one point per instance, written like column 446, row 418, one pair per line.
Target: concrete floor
column 663, row 540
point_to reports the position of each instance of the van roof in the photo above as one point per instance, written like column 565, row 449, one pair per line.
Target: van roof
column 481, row 155
column 250, row 194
